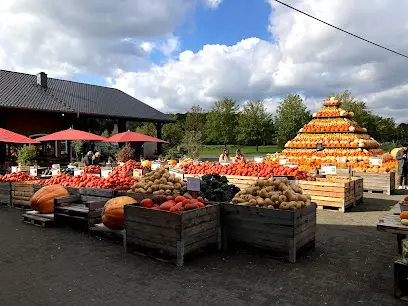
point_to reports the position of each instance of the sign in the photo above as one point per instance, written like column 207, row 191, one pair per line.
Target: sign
column 224, row 163
column 33, row 171
column 193, row 184
column 137, row 173
column 156, row 165
column 55, row 171
column 13, row 169
column 329, row 169
column 56, row 166
column 258, row 159
column 106, row 172
column 290, row 178
column 341, row 160
column 78, row 172
column 177, row 173
column 377, row 161
column 282, row 161
column 291, row 165
column 94, row 174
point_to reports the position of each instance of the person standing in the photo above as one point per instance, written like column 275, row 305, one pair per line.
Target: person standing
column 96, row 159
column 88, row 159
column 403, row 166
column 239, row 157
column 224, row 157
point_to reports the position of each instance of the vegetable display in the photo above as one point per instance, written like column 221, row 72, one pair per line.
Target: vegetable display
column 215, row 188
column 273, row 193
column 158, row 182
column 174, row 204
column 17, row 177
column 93, row 169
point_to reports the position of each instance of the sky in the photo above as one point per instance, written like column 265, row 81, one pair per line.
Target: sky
column 176, row 54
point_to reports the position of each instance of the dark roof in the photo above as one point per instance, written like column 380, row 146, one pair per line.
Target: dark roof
column 19, row 90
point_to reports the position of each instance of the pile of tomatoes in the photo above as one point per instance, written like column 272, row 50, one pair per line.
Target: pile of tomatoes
column 17, row 177
column 93, row 169
column 127, row 167
column 115, row 181
column 263, row 169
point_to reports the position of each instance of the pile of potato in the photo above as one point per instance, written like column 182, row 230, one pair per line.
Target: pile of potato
column 158, row 182
column 273, row 193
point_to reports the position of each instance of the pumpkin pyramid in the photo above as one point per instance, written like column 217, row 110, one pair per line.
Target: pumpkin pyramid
column 338, row 134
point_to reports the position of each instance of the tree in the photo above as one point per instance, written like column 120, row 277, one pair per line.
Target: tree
column 105, row 134
column 115, row 130
column 173, row 132
column 255, row 124
column 77, row 146
column 386, row 129
column 291, row 116
column 147, row 128
column 195, row 119
column 402, row 133
column 192, row 142
column 222, row 122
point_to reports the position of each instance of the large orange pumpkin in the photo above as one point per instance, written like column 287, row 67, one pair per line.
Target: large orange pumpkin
column 147, row 164
column 113, row 213
column 43, row 199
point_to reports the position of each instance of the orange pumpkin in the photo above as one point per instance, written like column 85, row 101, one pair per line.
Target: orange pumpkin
column 147, row 164
column 113, row 213
column 404, row 215
column 172, row 162
column 43, row 199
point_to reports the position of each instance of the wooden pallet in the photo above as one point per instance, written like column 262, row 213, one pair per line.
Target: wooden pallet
column 378, row 182
column 35, row 218
column 280, row 232
column 172, row 236
column 102, row 231
column 335, row 195
column 21, row 194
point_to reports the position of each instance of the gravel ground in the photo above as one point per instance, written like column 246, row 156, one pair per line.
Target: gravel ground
column 352, row 264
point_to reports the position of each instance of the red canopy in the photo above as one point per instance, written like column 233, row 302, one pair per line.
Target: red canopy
column 132, row 137
column 9, row 136
column 71, row 134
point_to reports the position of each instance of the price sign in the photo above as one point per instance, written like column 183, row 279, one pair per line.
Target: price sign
column 329, row 169
column 224, row 163
column 291, row 165
column 55, row 171
column 258, row 159
column 13, row 169
column 375, row 161
column 106, row 172
column 156, row 166
column 78, row 172
column 137, row 172
column 56, row 166
column 341, row 160
column 177, row 173
column 193, row 184
column 282, row 161
column 33, row 171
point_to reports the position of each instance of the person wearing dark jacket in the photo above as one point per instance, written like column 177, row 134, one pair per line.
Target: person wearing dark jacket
column 403, row 167
column 96, row 159
column 88, row 159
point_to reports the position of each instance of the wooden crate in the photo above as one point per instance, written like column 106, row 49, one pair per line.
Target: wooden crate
column 21, row 194
column 84, row 207
column 358, row 189
column 174, row 234
column 38, row 219
column 282, row 232
column 378, row 182
column 327, row 194
column 5, row 193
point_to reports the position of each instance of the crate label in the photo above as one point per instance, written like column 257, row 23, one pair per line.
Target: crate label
column 377, row 161
column 282, row 161
column 329, row 169
column 291, row 165
column 193, row 184
column 224, row 163
column 156, row 166
column 177, row 173
column 55, row 171
column 137, row 173
column 13, row 169
column 258, row 159
column 106, row 172
column 33, row 171
column 78, row 172
column 341, row 160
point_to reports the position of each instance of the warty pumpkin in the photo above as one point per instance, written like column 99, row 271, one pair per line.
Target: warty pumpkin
column 113, row 213
column 43, row 199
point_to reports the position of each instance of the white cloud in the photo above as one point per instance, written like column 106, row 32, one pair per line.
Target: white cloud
column 171, row 45
column 213, row 4
column 309, row 58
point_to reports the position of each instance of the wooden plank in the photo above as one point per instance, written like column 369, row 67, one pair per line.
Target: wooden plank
column 96, row 192
column 67, row 199
column 153, row 217
column 311, row 187
column 326, row 184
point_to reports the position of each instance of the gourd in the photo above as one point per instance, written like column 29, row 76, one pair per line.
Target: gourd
column 113, row 213
column 404, row 215
column 43, row 199
column 147, row 164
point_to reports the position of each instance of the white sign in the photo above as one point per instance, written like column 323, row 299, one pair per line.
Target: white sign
column 282, row 161
column 193, row 184
column 329, row 169
column 177, row 173
column 156, row 166
column 55, row 171
column 56, row 166
column 291, row 165
column 33, row 171
column 13, row 169
column 137, row 172
column 376, row 161
column 341, row 160
column 258, row 159
column 224, row 163
column 78, row 172
column 106, row 172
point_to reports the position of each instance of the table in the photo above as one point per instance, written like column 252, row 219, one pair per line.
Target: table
column 391, row 223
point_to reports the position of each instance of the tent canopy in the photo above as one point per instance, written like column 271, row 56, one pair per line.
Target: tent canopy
column 133, row 137
column 9, row 136
column 71, row 134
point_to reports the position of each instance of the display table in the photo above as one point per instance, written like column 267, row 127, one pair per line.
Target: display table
column 391, row 223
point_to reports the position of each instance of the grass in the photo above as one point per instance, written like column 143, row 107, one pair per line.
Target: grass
column 216, row 150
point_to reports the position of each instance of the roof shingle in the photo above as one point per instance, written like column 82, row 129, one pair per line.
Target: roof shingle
column 19, row 90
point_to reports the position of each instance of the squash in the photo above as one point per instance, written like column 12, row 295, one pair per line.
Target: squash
column 404, row 215
column 43, row 199
column 172, row 162
column 113, row 213
column 147, row 164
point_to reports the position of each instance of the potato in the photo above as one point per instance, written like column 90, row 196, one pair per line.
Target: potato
column 252, row 202
column 241, row 200
column 308, row 202
column 270, row 188
column 284, row 206
column 263, row 193
column 283, row 199
column 308, row 197
column 270, row 182
column 260, row 201
column 300, row 204
column 282, row 187
column 163, row 181
column 290, row 195
column 275, row 198
column 167, row 192
column 149, row 184
column 302, row 197
column 183, row 184
column 155, row 187
column 268, row 202
column 177, row 186
column 270, row 206
column 296, row 188
column 149, row 190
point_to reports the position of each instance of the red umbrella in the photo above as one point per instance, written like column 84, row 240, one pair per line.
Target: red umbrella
column 132, row 137
column 8, row 136
column 71, row 134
